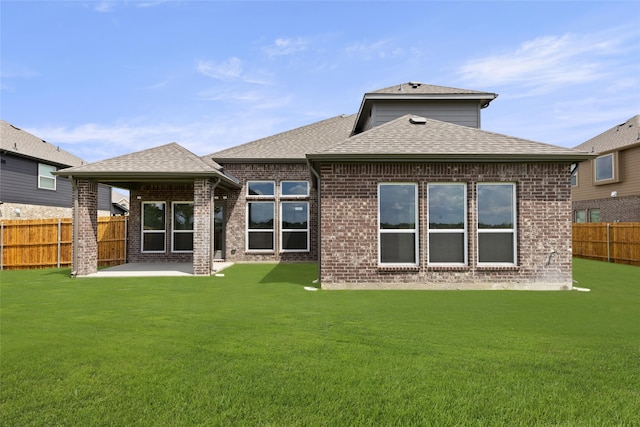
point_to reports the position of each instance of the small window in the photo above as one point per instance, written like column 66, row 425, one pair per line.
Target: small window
column 594, row 215
column 604, row 167
column 447, row 223
column 261, row 188
column 46, row 178
column 497, row 223
column 574, row 178
column 182, row 238
column 294, row 189
column 294, row 226
column 260, row 226
column 398, row 224
column 580, row 216
column 153, row 227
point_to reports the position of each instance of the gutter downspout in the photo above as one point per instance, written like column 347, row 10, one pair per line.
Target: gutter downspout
column 212, row 223
column 74, row 243
column 319, row 222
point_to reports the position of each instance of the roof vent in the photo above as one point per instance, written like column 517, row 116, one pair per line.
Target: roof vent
column 415, row 85
column 417, row 120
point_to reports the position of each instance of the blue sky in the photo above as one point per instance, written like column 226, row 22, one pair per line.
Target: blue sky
column 105, row 78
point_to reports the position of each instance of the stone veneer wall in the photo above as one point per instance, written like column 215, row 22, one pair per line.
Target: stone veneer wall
column 613, row 209
column 350, row 228
column 236, row 204
column 8, row 211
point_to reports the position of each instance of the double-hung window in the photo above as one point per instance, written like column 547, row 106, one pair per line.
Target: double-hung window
column 46, row 178
column 153, row 227
column 398, row 224
column 294, row 226
column 182, row 232
column 447, row 228
column 261, row 208
column 496, row 223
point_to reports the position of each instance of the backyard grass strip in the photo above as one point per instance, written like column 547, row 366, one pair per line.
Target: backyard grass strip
column 254, row 348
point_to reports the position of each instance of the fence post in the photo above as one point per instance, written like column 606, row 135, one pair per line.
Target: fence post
column 1, row 245
column 59, row 238
column 608, row 244
column 126, row 238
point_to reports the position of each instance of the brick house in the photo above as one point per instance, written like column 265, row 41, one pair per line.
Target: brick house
column 406, row 193
column 607, row 188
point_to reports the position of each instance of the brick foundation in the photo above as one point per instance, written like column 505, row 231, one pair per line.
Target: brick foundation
column 613, row 209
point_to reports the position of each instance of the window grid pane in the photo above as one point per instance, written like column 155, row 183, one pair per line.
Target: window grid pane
column 260, row 226
column 294, row 188
column 447, row 225
column 496, row 223
column 397, row 222
column 294, row 226
column 153, row 227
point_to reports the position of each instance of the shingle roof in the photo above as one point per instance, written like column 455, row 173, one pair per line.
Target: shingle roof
column 16, row 141
column 166, row 161
column 425, row 89
column 619, row 136
column 293, row 144
column 417, row 138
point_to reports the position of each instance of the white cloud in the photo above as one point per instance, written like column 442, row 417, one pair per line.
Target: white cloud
column 544, row 63
column 381, row 49
column 231, row 69
column 103, row 6
column 286, row 46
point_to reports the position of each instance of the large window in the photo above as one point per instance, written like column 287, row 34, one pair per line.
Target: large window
column 497, row 223
column 260, row 223
column 294, row 226
column 153, row 227
column 447, row 229
column 397, row 224
column 46, row 178
column 604, row 167
column 182, row 232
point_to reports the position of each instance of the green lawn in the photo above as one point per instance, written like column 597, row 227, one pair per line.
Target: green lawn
column 255, row 348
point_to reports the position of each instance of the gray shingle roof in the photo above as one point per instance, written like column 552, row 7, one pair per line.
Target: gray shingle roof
column 619, row 136
column 163, row 162
column 425, row 89
column 416, row 138
column 293, row 144
column 16, row 141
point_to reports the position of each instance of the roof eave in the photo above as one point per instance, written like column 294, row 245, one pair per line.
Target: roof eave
column 450, row 158
column 238, row 160
column 112, row 176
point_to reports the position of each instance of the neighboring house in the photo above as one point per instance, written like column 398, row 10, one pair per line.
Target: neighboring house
column 28, row 188
column 119, row 202
column 407, row 193
column 607, row 188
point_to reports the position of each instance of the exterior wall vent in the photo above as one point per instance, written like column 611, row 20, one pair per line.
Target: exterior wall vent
column 417, row 120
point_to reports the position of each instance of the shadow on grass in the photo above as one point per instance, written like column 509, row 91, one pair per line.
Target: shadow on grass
column 301, row 274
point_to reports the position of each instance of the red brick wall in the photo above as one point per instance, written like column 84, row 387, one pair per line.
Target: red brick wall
column 350, row 229
column 236, row 211
column 86, row 250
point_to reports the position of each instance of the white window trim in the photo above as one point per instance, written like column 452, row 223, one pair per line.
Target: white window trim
column 400, row 231
column 174, row 231
column 613, row 169
column 272, row 230
column 47, row 177
column 464, row 231
column 294, row 196
column 513, row 230
column 143, row 231
column 283, row 230
column 261, row 196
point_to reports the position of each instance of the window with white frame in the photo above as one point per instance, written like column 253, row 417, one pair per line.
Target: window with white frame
column 398, row 224
column 496, row 223
column 153, row 226
column 294, row 189
column 447, row 226
column 294, row 226
column 46, row 178
column 182, row 230
column 264, row 189
column 604, row 167
column 260, row 226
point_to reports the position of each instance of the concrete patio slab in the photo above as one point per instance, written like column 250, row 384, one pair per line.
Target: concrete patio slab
column 154, row 270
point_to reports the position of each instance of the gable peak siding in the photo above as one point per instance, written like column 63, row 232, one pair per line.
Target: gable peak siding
column 350, row 235
column 459, row 112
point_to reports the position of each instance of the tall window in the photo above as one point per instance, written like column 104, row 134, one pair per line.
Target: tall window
column 447, row 223
column 182, row 232
column 604, row 167
column 294, row 226
column 260, row 226
column 46, row 178
column 497, row 223
column 397, row 224
column 153, row 227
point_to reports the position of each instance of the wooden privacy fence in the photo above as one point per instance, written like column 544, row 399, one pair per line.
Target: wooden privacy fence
column 46, row 243
column 617, row 242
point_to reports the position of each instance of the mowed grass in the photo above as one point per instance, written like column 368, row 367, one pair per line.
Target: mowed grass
column 253, row 348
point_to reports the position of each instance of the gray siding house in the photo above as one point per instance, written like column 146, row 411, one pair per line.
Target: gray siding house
column 408, row 193
column 28, row 187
